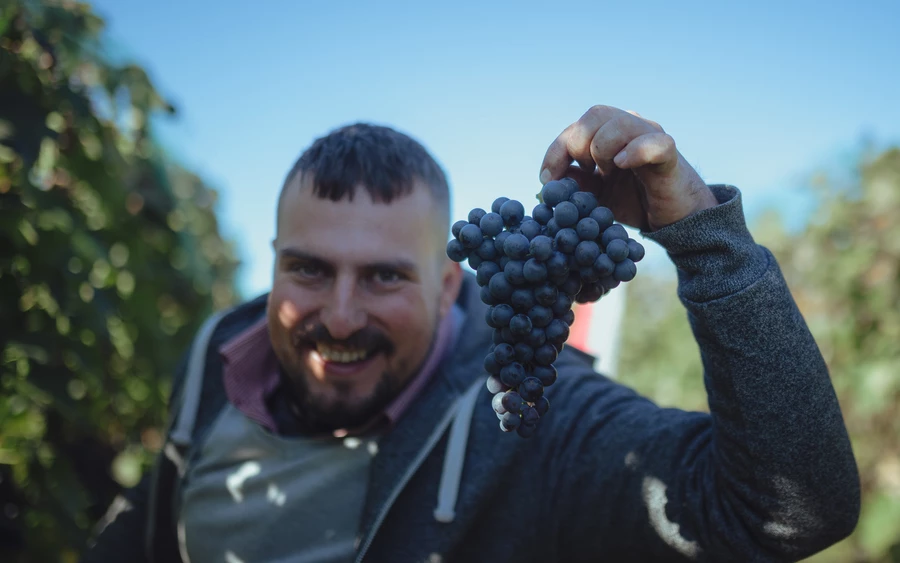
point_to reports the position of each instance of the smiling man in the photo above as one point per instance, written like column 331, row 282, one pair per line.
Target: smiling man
column 358, row 291
column 343, row 417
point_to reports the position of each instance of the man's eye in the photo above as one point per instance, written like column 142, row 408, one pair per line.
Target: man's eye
column 306, row 270
column 387, row 276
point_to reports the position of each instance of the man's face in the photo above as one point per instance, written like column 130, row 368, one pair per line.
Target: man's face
column 358, row 291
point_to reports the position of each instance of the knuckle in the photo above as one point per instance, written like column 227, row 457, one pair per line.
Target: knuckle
column 597, row 111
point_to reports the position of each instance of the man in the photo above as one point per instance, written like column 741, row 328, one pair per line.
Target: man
column 343, row 417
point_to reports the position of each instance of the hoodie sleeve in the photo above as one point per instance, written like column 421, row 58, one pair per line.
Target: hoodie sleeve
column 767, row 475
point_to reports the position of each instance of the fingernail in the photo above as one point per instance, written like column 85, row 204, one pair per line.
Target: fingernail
column 545, row 175
column 620, row 158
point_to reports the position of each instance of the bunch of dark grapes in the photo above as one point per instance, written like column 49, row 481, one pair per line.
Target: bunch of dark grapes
column 531, row 270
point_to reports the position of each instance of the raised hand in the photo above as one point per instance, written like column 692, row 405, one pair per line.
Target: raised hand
column 631, row 164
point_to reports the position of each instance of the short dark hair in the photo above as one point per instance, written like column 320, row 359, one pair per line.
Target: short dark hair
column 386, row 162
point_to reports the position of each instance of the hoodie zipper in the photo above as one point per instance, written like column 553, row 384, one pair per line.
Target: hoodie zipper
column 414, row 466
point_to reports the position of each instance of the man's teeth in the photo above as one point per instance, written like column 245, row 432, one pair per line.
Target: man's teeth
column 340, row 355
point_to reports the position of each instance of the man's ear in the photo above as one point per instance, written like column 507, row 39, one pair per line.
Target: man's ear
column 452, row 276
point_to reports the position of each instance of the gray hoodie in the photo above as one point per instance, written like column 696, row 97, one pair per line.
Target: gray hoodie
column 767, row 475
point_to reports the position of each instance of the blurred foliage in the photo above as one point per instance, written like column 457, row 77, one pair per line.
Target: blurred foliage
column 110, row 258
column 844, row 272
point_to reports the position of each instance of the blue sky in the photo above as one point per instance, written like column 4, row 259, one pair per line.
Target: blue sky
column 759, row 95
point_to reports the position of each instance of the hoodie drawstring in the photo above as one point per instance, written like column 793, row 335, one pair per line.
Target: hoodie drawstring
column 451, row 476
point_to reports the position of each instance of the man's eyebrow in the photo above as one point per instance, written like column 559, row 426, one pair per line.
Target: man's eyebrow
column 300, row 255
column 400, row 264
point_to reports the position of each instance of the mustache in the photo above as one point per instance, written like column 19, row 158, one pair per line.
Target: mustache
column 367, row 338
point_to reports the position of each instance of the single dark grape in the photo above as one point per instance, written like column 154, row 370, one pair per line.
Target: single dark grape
column 456, row 251
column 569, row 318
column 534, row 272
column 516, row 246
column 510, row 421
column 566, row 214
column 558, row 280
column 486, row 296
column 520, row 325
column 513, row 402
column 524, row 352
column 552, row 228
column 617, row 249
column 530, row 228
column 525, row 430
column 499, row 242
column 457, row 227
column 557, row 332
column 557, row 264
column 475, row 215
column 540, row 316
column 604, row 265
column 512, row 212
column 495, row 207
column 585, row 202
column 589, row 293
column 542, row 405
column 471, row 237
column 485, row 272
column 554, row 192
column 500, row 288
column 536, row 337
column 587, row 229
column 503, row 262
column 488, row 318
column 614, row 232
column 588, row 274
column 522, row 299
column 563, row 302
column 501, row 315
column 490, row 364
column 545, row 355
column 512, row 375
column 545, row 295
column 571, row 187
column 487, row 250
column 491, row 224
column 497, row 403
column 514, row 272
column 609, row 283
column 541, row 247
column 547, row 375
column 542, row 213
column 475, row 261
column 530, row 416
column 531, row 389
column 504, row 354
column 494, row 385
column 572, row 285
column 567, row 240
column 586, row 252
column 635, row 250
column 603, row 216
column 625, row 271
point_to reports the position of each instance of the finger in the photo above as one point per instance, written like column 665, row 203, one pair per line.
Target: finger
column 613, row 136
column 573, row 144
column 655, row 125
column 557, row 158
column 648, row 149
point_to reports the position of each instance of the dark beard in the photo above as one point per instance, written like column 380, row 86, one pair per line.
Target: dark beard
column 312, row 418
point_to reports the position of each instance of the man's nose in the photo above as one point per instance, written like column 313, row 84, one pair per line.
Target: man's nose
column 344, row 314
